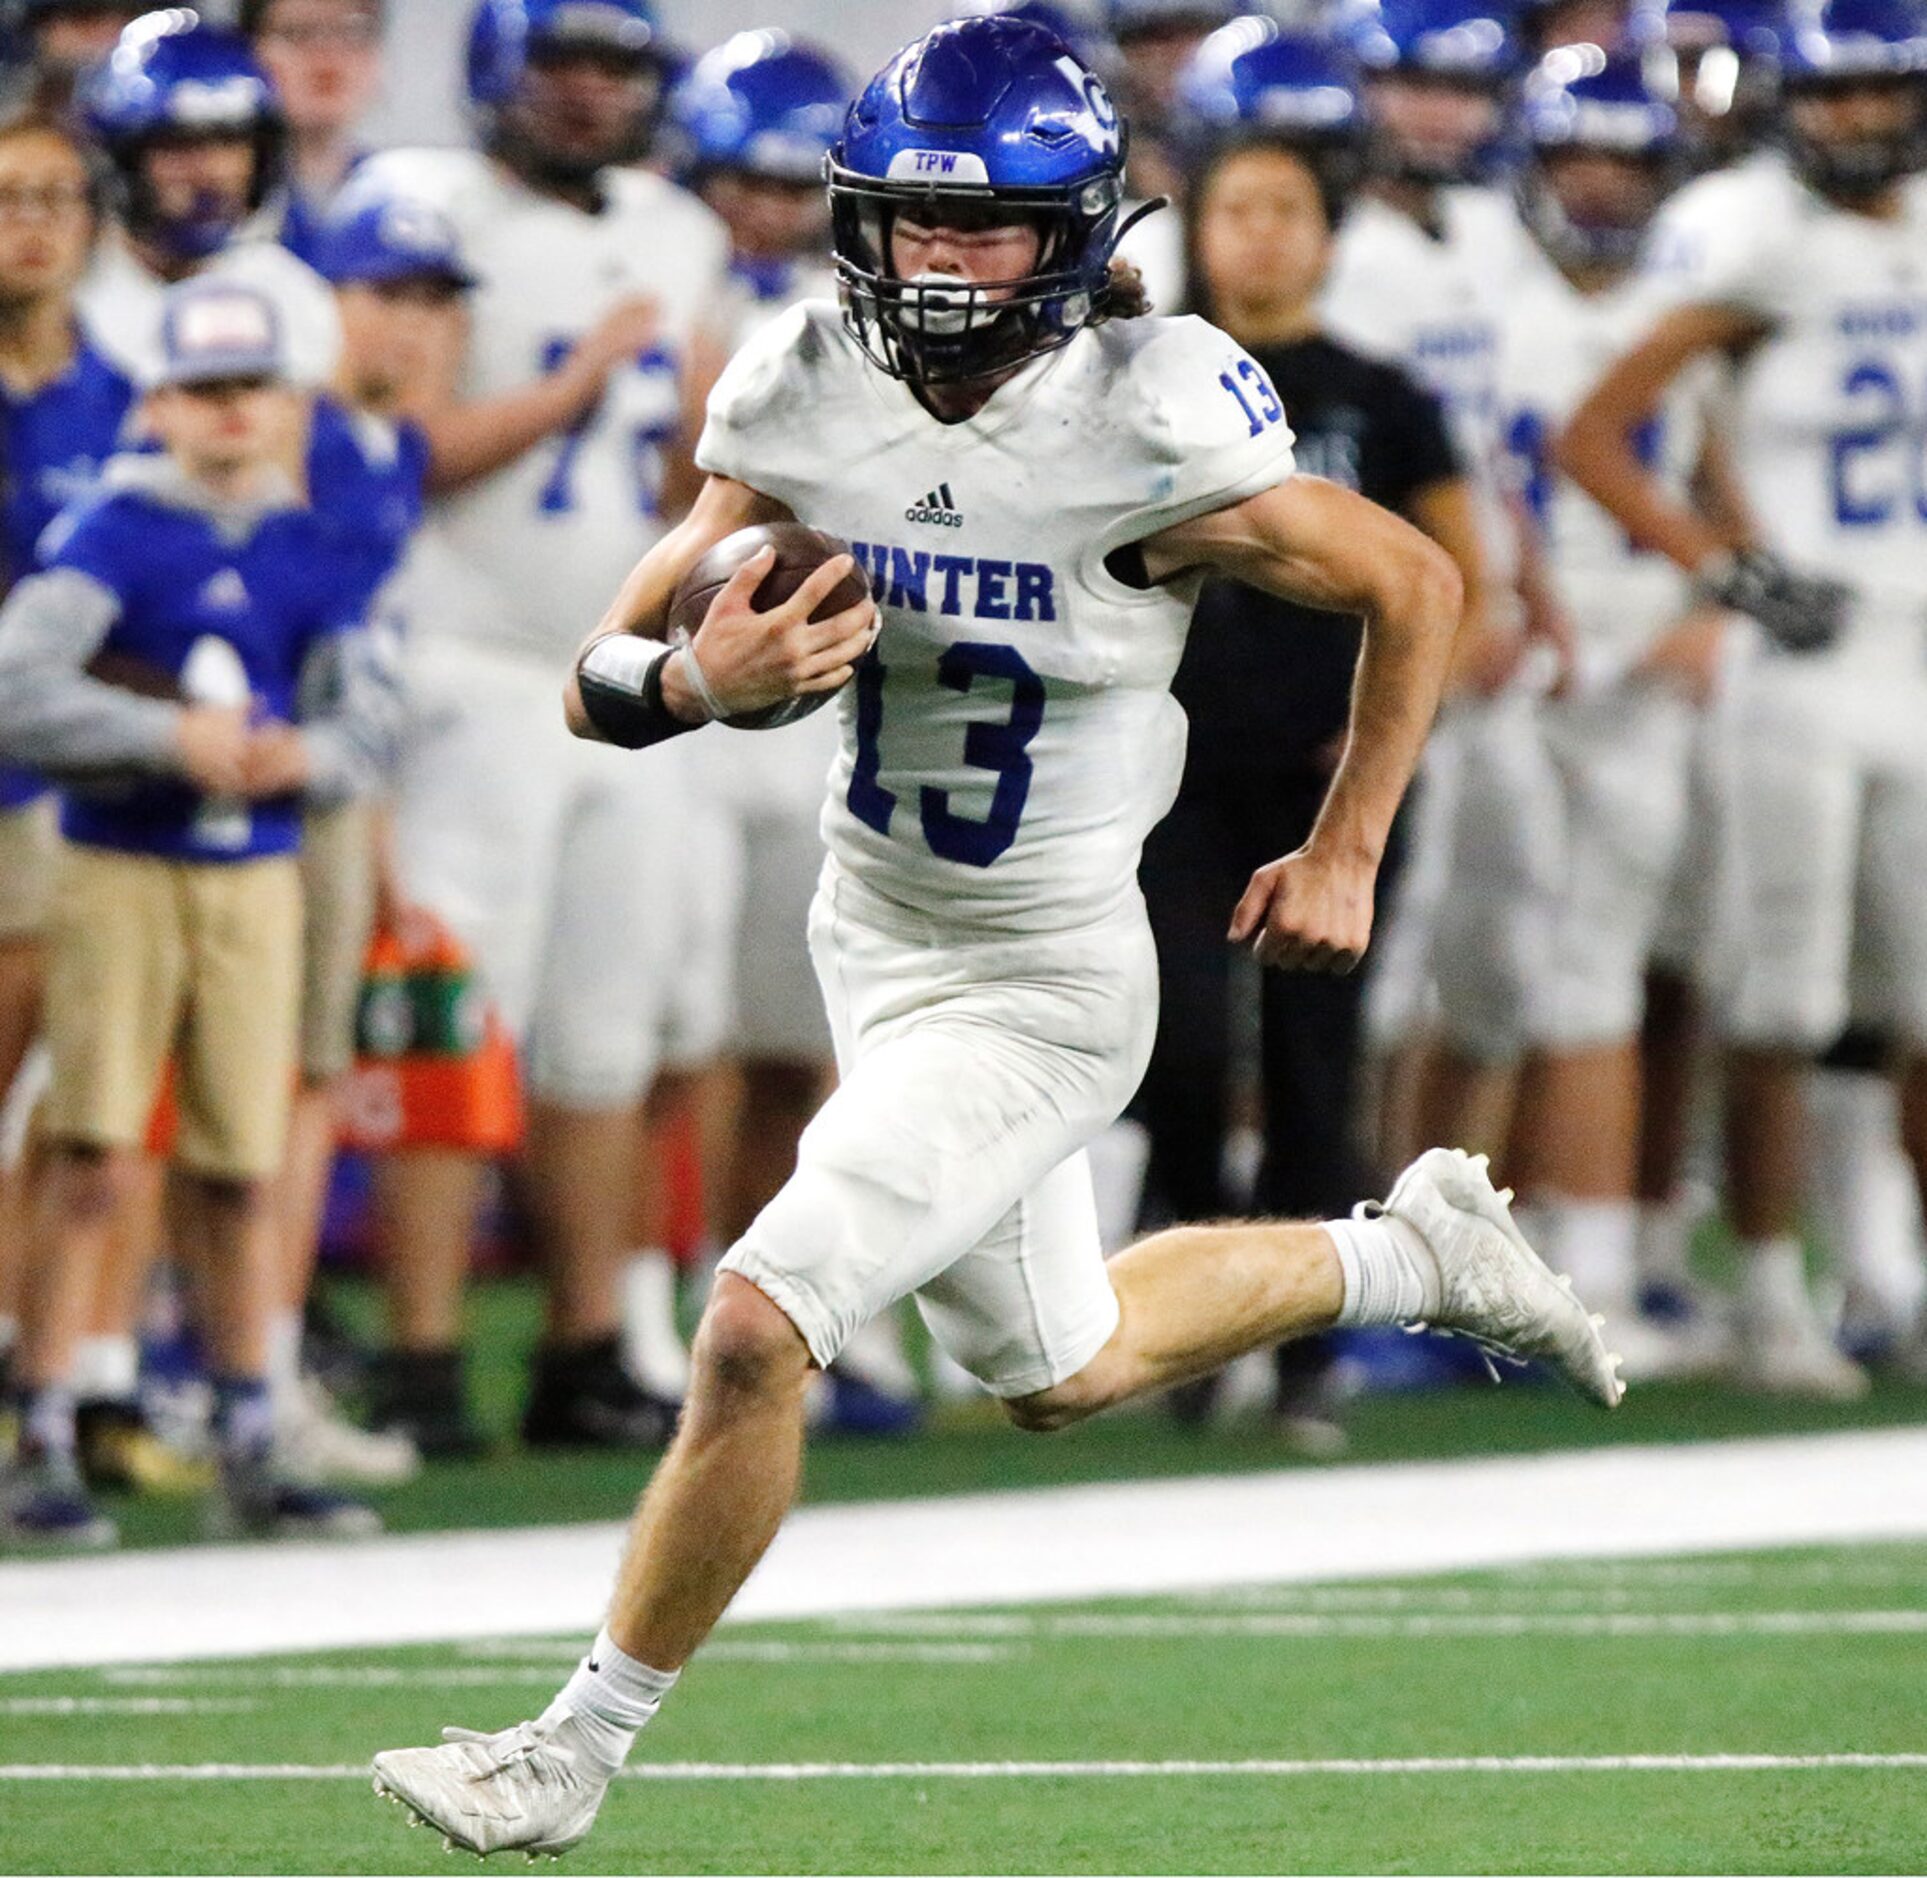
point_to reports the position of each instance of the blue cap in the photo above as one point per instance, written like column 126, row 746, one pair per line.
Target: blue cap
column 1255, row 73
column 1857, row 39
column 389, row 238
column 763, row 103
column 213, row 328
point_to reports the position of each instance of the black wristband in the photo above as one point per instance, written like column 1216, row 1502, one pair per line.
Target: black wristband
column 620, row 678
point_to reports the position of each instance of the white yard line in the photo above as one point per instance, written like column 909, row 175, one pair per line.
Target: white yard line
column 986, row 1549
column 1038, row 1770
column 1411, row 1624
column 46, row 1705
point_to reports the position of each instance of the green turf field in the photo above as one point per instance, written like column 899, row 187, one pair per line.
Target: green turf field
column 883, row 1743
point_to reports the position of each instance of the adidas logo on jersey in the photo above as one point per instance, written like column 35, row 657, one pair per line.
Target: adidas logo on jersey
column 225, row 591
column 937, row 508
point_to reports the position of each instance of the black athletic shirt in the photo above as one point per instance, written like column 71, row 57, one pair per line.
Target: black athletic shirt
column 1266, row 684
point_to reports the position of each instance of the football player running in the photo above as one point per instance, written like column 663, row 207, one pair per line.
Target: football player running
column 979, row 935
column 1803, row 267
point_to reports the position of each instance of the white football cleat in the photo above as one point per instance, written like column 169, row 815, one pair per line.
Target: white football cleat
column 531, row 1788
column 315, row 1442
column 1493, row 1288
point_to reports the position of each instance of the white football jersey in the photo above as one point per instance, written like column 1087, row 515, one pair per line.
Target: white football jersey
column 1830, row 408
column 120, row 299
column 1435, row 303
column 546, row 541
column 1556, row 344
column 1012, row 738
column 753, row 294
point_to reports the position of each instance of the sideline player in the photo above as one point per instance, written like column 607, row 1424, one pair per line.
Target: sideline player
column 980, row 940
column 1425, row 265
column 1603, row 150
column 549, row 869
column 1804, row 267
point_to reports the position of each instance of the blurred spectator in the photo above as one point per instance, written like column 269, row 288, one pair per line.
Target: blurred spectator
column 62, row 407
column 1266, row 683
column 324, row 57
column 155, row 666
column 64, row 38
column 551, row 869
column 1156, row 40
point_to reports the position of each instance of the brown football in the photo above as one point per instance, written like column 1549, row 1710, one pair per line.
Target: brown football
column 800, row 552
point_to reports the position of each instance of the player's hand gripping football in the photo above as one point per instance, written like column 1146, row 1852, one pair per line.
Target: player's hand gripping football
column 750, row 660
column 1310, row 912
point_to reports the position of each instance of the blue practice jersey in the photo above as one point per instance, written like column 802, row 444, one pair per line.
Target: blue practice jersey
column 223, row 620
column 366, row 479
column 52, row 444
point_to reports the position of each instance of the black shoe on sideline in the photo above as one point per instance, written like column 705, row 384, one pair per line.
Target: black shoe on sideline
column 254, row 1501
column 580, row 1396
column 421, row 1394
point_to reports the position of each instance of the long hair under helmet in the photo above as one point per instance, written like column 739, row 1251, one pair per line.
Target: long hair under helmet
column 989, row 116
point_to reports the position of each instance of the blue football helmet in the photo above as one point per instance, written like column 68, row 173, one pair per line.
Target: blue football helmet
column 1466, row 45
column 172, row 78
column 504, row 33
column 1255, row 81
column 761, row 104
column 1582, row 100
column 989, row 118
column 1853, row 43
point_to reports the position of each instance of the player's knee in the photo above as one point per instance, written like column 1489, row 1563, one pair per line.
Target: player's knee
column 1064, row 1404
column 746, row 1349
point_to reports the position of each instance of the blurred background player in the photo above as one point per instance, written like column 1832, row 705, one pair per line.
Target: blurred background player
column 1802, row 268
column 1602, row 150
column 1726, row 59
column 1153, row 41
column 1266, row 684
column 754, row 120
column 324, row 57
column 189, row 122
column 556, row 869
column 1424, row 266
column 63, row 408
column 63, row 39
column 156, row 666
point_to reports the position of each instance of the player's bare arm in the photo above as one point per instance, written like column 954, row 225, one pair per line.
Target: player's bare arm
column 749, row 658
column 472, row 439
column 1311, row 541
column 1596, row 448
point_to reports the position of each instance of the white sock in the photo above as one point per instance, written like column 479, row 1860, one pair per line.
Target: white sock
column 1593, row 1242
column 610, row 1696
column 1663, row 1243
column 284, row 1359
column 652, row 1346
column 1390, row 1274
column 1774, row 1283
column 107, row 1369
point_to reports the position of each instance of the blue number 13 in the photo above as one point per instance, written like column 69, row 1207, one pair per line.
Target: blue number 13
column 1266, row 409
column 1001, row 748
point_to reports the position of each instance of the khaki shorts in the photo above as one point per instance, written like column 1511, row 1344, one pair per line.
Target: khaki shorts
column 149, row 959
column 338, row 897
column 29, row 843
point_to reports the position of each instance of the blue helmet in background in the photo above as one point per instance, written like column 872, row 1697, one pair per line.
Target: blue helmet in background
column 1723, row 59
column 763, row 104
column 989, row 119
column 1255, row 81
column 172, row 78
column 1468, row 45
column 1470, row 42
column 505, row 34
column 1256, row 74
column 1852, row 43
column 1581, row 100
